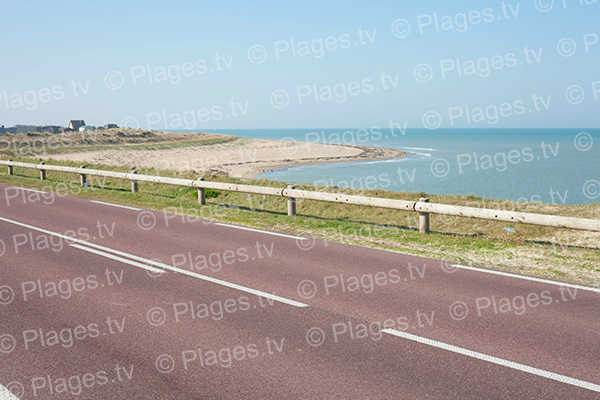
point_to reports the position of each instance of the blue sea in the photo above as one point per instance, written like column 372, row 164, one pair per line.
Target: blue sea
column 556, row 166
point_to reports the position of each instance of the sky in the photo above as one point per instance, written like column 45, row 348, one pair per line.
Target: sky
column 328, row 64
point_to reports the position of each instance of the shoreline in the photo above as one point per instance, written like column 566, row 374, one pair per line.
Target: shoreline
column 239, row 158
column 368, row 153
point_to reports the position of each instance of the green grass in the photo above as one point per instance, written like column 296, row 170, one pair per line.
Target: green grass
column 555, row 253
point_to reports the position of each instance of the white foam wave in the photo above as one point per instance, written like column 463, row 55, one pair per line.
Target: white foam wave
column 418, row 148
column 424, row 154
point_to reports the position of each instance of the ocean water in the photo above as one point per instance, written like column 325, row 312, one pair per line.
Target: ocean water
column 557, row 166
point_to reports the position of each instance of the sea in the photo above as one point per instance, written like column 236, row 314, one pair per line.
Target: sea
column 552, row 166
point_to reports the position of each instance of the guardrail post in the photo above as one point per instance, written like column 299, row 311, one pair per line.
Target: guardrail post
column 424, row 218
column 201, row 194
column 134, row 184
column 10, row 168
column 291, row 203
column 43, row 172
column 83, row 178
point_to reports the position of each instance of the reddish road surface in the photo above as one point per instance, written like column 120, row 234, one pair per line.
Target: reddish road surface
column 147, row 305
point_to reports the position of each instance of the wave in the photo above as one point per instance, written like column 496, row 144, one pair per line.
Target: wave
column 418, row 148
column 391, row 160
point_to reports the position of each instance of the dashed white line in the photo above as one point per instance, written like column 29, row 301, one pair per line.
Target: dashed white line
column 204, row 277
column 528, row 278
column 495, row 360
column 114, row 205
column 117, row 258
column 261, row 231
column 161, row 265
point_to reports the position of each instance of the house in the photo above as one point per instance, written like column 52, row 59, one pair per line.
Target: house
column 86, row 128
column 2, row 129
column 75, row 124
column 110, row 126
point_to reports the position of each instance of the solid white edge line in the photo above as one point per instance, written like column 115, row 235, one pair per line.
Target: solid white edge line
column 495, row 360
column 114, row 205
column 30, row 190
column 121, row 259
column 489, row 271
column 261, row 231
column 6, row 394
column 527, row 278
column 161, row 265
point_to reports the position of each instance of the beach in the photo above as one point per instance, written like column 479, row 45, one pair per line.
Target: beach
column 234, row 156
column 545, row 162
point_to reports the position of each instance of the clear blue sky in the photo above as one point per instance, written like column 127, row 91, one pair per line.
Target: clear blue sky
column 59, row 60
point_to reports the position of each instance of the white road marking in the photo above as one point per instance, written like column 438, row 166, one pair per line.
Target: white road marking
column 239, row 287
column 114, row 205
column 528, row 278
column 495, row 360
column 161, row 265
column 261, row 231
column 121, row 259
column 30, row 190
column 6, row 394
column 210, row 279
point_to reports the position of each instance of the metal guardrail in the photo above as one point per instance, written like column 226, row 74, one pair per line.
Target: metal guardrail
column 423, row 207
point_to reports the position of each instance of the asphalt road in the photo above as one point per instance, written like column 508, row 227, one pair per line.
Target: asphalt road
column 105, row 302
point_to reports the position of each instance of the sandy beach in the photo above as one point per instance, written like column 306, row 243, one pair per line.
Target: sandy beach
column 239, row 157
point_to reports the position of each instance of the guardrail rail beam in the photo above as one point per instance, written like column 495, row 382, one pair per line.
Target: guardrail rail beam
column 423, row 206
